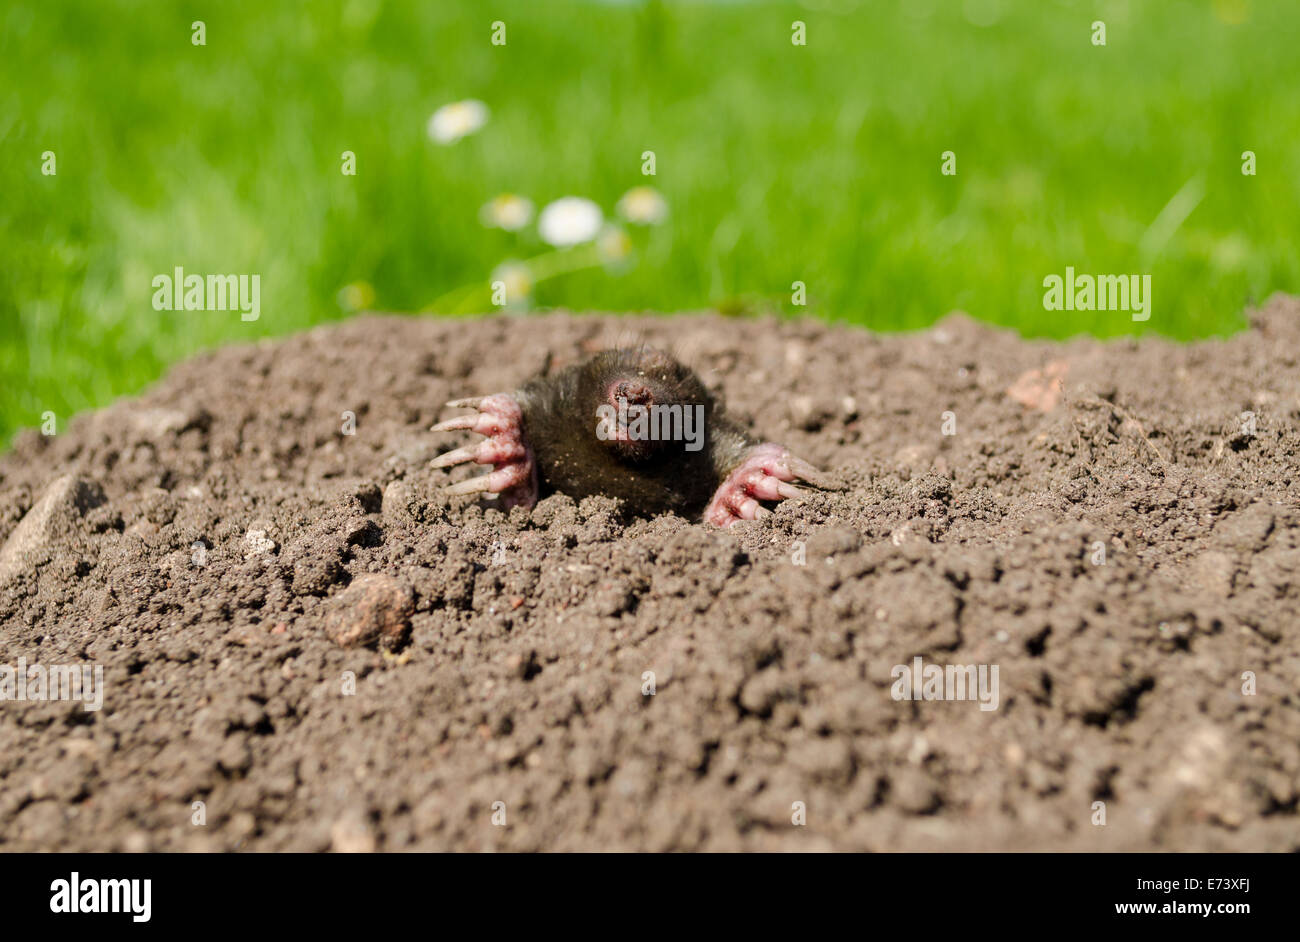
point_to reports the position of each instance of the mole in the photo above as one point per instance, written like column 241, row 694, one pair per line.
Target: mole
column 631, row 423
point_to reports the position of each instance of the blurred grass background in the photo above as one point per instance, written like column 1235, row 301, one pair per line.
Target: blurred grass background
column 779, row 163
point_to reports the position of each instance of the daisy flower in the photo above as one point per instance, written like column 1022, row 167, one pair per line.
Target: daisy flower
column 518, row 281
column 643, row 205
column 357, row 296
column 508, row 212
column 570, row 220
column 459, row 119
column 613, row 245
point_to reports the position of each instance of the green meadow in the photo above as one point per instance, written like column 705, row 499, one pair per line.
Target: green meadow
column 779, row 163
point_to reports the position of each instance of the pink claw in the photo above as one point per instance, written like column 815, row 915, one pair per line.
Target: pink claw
column 765, row 474
column 515, row 474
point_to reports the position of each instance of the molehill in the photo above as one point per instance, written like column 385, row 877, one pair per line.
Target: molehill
column 306, row 645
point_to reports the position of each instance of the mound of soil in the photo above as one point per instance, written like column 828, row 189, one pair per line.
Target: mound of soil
column 300, row 632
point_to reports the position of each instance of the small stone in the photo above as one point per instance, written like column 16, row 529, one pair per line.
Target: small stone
column 257, row 543
column 375, row 608
column 59, row 510
column 351, row 834
column 1040, row 389
column 396, row 502
column 241, row 826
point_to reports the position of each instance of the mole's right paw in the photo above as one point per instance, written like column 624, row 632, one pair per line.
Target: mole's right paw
column 765, row 473
column 514, row 474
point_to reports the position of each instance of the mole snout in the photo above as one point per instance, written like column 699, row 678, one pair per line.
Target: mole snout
column 629, row 423
column 634, row 424
column 632, row 392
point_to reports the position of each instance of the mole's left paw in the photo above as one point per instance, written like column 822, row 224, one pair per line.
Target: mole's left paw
column 764, row 474
column 515, row 475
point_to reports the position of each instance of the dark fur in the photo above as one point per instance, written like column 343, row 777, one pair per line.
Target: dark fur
column 560, row 421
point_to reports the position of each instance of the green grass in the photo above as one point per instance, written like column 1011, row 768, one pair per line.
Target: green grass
column 780, row 163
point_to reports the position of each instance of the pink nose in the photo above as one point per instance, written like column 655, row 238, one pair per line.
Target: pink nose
column 634, row 393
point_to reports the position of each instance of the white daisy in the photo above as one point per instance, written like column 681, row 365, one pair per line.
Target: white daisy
column 508, row 212
column 518, row 281
column 357, row 296
column 613, row 245
column 570, row 220
column 643, row 205
column 461, row 118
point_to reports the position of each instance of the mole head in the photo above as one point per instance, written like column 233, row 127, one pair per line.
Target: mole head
column 638, row 400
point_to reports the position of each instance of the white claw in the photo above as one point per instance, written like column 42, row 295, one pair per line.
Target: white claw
column 461, row 421
column 458, row 456
column 470, row 486
column 803, row 470
column 472, row 402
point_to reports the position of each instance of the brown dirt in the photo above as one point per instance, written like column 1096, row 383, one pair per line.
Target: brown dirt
column 501, row 659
